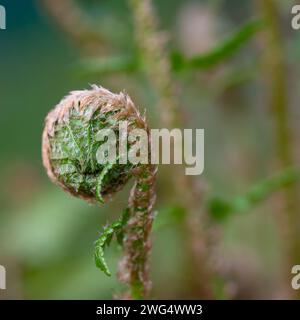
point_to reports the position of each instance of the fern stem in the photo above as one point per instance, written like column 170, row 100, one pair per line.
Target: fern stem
column 155, row 59
column 134, row 267
column 74, row 22
column 276, row 76
column 157, row 67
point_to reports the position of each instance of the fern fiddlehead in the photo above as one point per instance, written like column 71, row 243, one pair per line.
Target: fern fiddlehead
column 69, row 150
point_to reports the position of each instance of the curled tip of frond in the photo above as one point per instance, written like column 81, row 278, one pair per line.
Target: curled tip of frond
column 68, row 140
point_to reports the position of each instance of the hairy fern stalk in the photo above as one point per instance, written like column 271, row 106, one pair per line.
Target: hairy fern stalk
column 69, row 155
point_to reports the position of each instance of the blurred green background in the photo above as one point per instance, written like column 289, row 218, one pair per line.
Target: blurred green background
column 47, row 236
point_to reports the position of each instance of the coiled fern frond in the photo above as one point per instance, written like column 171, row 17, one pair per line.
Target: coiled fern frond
column 69, row 150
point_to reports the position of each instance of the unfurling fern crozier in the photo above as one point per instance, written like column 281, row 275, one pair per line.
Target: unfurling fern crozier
column 69, row 150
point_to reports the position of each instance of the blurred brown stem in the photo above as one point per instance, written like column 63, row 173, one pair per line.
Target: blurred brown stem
column 154, row 55
column 75, row 23
column 278, row 101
